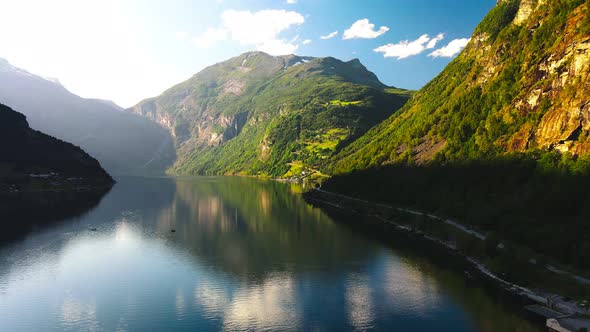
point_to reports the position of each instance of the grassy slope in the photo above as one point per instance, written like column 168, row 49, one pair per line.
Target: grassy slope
column 471, row 112
column 290, row 112
column 535, row 197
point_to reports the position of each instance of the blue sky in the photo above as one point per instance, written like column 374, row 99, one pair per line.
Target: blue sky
column 133, row 49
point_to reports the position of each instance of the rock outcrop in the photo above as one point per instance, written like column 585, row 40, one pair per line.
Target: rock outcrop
column 520, row 85
column 271, row 116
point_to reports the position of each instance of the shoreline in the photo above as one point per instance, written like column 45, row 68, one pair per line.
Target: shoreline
column 343, row 207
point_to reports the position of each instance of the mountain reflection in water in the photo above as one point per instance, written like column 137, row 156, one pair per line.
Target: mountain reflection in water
column 247, row 254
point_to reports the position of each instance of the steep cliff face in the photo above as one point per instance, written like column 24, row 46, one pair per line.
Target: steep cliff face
column 521, row 85
column 202, row 110
column 263, row 115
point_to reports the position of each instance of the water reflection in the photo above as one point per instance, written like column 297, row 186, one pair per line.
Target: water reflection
column 359, row 302
column 74, row 312
column 180, row 305
column 272, row 304
column 211, row 298
column 261, row 225
column 246, row 255
column 409, row 286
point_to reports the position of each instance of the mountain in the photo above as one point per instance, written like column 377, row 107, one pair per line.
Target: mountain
column 500, row 140
column 520, row 86
column 25, row 151
column 121, row 141
column 42, row 178
column 261, row 115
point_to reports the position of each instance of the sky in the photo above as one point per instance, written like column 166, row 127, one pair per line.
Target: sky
column 129, row 50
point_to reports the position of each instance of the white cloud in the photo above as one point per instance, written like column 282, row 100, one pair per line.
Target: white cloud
column 181, row 35
column 277, row 47
column 261, row 29
column 291, row 2
column 406, row 48
column 210, row 37
column 305, row 42
column 330, row 35
column 452, row 49
column 363, row 29
column 432, row 43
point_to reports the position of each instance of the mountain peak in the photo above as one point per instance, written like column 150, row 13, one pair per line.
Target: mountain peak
column 5, row 65
column 269, row 115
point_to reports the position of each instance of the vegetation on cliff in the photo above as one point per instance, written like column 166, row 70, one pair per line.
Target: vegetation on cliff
column 520, row 86
column 500, row 139
column 270, row 116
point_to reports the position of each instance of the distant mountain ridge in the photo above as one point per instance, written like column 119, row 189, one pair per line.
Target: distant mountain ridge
column 263, row 115
column 42, row 179
column 124, row 143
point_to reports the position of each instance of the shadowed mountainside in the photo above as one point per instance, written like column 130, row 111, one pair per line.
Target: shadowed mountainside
column 124, row 143
column 499, row 139
column 43, row 178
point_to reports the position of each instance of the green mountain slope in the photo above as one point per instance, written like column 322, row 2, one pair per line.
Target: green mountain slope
column 270, row 116
column 499, row 140
column 520, row 86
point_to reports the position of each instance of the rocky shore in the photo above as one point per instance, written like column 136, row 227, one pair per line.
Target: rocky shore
column 379, row 218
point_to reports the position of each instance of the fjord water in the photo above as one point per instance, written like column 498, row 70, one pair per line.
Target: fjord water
column 246, row 254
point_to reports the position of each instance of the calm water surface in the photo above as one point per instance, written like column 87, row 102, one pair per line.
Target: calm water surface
column 246, row 255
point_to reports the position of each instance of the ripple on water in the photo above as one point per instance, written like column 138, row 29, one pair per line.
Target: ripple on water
column 247, row 255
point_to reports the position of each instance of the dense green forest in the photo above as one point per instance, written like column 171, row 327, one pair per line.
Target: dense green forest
column 499, row 140
column 513, row 198
column 300, row 139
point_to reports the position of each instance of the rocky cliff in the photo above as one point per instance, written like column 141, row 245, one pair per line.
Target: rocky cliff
column 520, row 86
column 272, row 116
